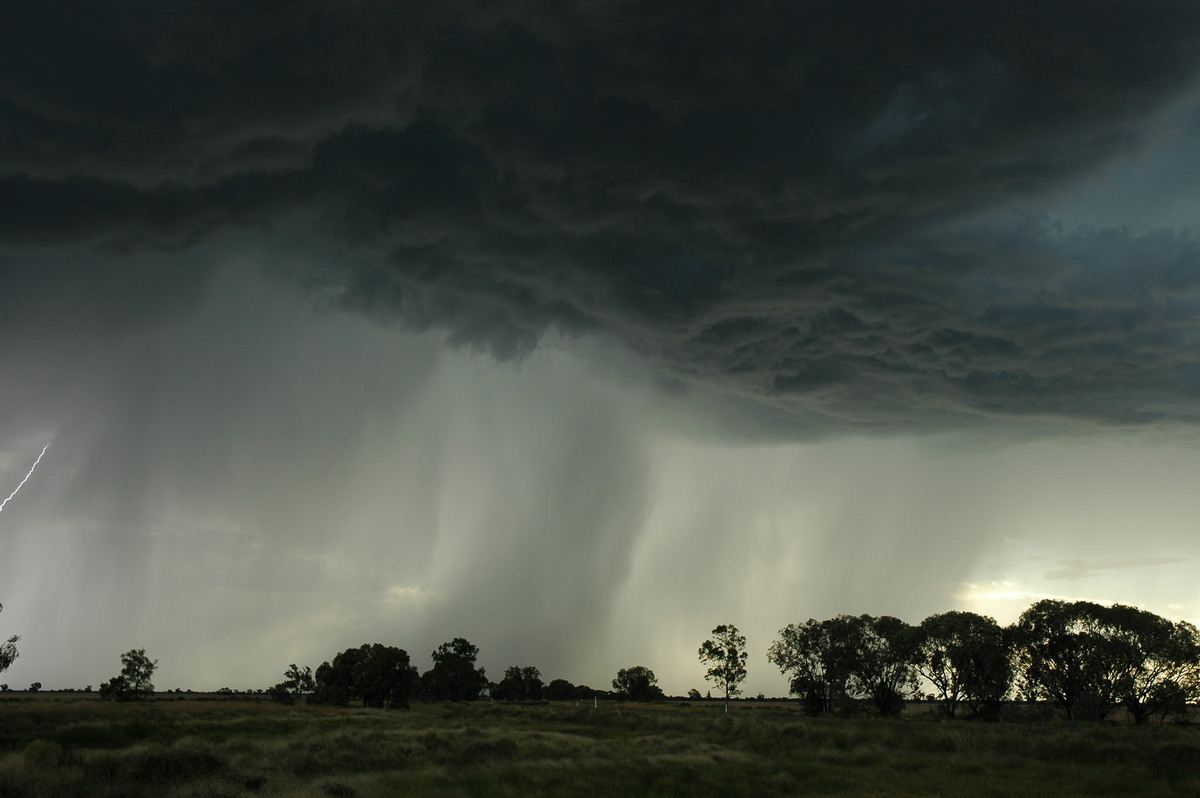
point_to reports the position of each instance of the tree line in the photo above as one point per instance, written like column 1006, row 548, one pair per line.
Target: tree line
column 1085, row 659
column 375, row 675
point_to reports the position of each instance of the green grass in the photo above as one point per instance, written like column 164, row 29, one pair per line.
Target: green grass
column 211, row 749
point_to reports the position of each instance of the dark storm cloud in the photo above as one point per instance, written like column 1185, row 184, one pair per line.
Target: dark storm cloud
column 783, row 202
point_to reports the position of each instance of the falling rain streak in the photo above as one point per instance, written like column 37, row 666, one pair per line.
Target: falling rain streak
column 27, row 476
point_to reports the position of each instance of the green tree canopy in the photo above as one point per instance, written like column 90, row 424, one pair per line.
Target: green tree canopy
column 1161, row 662
column 133, row 682
column 375, row 674
column 883, row 670
column 846, row 657
column 297, row 682
column 519, row 684
column 725, row 654
column 454, row 676
column 559, row 690
column 1083, row 656
column 637, row 684
column 1089, row 658
column 967, row 658
column 818, row 656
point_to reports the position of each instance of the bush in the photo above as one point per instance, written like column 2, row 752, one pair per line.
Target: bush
column 281, row 694
column 184, row 761
column 43, row 754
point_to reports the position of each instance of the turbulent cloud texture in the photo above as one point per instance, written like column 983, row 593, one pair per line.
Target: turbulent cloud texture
column 810, row 208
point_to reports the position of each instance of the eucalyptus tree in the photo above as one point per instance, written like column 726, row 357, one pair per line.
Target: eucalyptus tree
column 297, row 683
column 8, row 650
column 1088, row 659
column 374, row 674
column 454, row 676
column 884, row 668
column 133, row 682
column 1063, row 658
column 848, row 657
column 1159, row 666
column 968, row 660
column 818, row 657
column 637, row 683
column 725, row 654
column 519, row 684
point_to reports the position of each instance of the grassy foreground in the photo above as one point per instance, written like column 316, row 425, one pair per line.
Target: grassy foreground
column 221, row 749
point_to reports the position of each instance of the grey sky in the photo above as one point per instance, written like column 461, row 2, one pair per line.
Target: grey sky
column 578, row 330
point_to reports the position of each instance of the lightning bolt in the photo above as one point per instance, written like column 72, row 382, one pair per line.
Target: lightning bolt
column 27, row 476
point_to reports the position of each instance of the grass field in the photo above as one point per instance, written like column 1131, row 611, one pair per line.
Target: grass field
column 216, row 749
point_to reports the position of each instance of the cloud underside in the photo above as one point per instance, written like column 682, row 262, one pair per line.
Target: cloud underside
column 1083, row 569
column 807, row 210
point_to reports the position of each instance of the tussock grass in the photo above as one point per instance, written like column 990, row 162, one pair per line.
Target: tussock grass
column 200, row 749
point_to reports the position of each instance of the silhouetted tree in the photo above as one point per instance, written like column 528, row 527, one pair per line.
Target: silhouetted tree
column 848, row 657
column 967, row 658
column 8, row 650
column 1170, row 698
column 583, row 692
column 375, row 674
column 1075, row 655
column 726, row 656
column 298, row 682
column 519, row 684
column 818, row 656
column 133, row 682
column 883, row 671
column 559, row 690
column 637, row 684
column 454, row 676
column 1159, row 661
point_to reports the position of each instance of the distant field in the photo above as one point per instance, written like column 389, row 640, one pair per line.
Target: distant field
column 57, row 747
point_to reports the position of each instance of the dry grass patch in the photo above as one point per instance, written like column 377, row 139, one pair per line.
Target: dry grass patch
column 200, row 749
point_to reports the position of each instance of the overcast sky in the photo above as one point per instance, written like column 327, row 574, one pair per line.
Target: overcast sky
column 577, row 329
